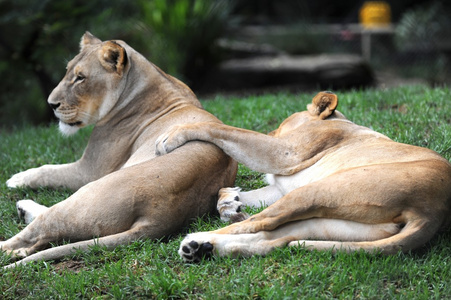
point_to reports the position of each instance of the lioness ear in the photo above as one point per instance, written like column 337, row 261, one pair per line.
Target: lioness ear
column 113, row 57
column 323, row 105
column 88, row 39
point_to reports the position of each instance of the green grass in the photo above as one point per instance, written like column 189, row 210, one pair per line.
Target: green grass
column 152, row 269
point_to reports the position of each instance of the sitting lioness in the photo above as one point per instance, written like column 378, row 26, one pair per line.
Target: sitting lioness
column 124, row 191
column 332, row 185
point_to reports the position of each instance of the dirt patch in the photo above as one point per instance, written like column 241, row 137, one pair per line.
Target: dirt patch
column 70, row 265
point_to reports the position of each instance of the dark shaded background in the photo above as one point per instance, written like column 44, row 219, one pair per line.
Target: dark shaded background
column 38, row 38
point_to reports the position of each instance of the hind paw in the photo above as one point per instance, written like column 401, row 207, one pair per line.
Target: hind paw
column 28, row 210
column 194, row 251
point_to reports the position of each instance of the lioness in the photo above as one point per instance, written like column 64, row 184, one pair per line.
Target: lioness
column 124, row 191
column 342, row 184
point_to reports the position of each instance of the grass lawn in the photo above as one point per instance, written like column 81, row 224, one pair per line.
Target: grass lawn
column 153, row 269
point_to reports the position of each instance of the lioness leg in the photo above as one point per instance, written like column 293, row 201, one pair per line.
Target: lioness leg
column 375, row 194
column 410, row 237
column 371, row 194
column 258, row 151
column 140, row 196
column 110, row 242
column 86, row 214
column 64, row 175
column 197, row 245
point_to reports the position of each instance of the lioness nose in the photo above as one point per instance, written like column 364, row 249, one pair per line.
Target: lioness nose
column 54, row 105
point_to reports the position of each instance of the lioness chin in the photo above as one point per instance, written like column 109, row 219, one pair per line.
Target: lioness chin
column 332, row 185
column 124, row 192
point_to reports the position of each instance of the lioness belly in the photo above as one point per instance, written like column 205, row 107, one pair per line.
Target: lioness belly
column 286, row 184
column 339, row 230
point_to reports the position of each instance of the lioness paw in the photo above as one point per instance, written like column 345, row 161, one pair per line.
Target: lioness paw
column 15, row 181
column 170, row 140
column 229, row 205
column 160, row 147
column 28, row 210
column 21, row 179
column 194, row 251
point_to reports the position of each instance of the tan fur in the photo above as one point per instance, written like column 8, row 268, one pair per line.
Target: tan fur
column 124, row 192
column 330, row 180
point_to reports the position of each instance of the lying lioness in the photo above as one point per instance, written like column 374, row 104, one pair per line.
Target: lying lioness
column 332, row 184
column 124, row 191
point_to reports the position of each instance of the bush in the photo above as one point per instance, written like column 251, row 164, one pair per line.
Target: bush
column 421, row 35
column 182, row 34
column 178, row 36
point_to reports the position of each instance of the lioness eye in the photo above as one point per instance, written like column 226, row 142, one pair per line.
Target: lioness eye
column 79, row 78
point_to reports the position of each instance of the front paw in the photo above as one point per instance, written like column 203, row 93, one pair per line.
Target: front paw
column 229, row 205
column 169, row 141
column 194, row 250
column 21, row 179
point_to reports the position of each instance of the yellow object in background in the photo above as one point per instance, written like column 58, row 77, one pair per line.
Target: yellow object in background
column 375, row 14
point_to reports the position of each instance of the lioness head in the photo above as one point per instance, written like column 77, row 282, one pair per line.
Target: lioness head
column 92, row 84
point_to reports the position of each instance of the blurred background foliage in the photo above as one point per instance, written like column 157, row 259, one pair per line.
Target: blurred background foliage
column 425, row 31
column 38, row 38
column 181, row 34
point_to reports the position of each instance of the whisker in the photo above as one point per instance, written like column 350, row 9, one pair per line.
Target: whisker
column 84, row 114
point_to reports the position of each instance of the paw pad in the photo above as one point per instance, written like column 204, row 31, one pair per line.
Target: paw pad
column 193, row 252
